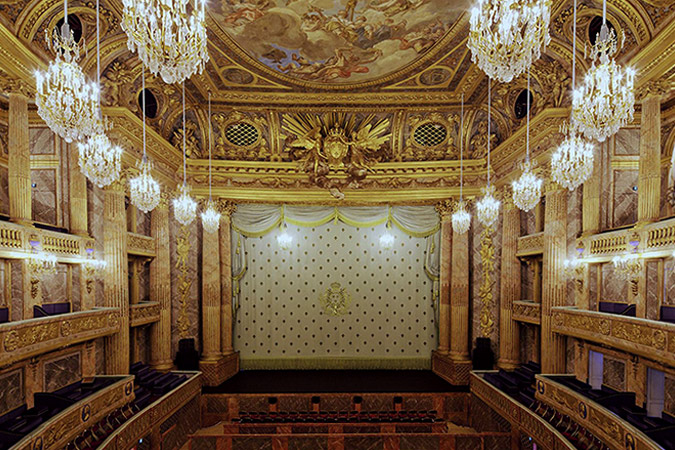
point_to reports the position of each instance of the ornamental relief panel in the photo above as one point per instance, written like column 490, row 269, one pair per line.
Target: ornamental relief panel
column 431, row 137
column 240, row 136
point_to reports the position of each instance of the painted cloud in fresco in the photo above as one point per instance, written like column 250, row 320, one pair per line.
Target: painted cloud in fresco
column 337, row 41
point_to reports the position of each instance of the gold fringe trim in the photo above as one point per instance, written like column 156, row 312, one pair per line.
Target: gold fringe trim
column 335, row 363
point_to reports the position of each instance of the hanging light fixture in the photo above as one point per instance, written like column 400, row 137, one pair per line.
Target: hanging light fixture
column 604, row 101
column 184, row 208
column 461, row 219
column 387, row 239
column 572, row 162
column 143, row 189
column 487, row 208
column 170, row 40
column 210, row 217
column 527, row 189
column 505, row 35
column 99, row 159
column 284, row 240
column 65, row 99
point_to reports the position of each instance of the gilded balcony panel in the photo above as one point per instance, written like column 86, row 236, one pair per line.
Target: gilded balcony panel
column 143, row 313
column 527, row 311
column 15, row 240
column 140, row 245
column 652, row 339
column 532, row 244
column 68, row 424
column 543, row 433
column 661, row 235
column 27, row 338
column 614, row 431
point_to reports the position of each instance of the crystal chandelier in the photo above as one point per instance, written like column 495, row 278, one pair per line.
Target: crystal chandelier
column 184, row 208
column 604, row 102
column 284, row 239
column 461, row 219
column 507, row 35
column 527, row 189
column 170, row 40
column 41, row 263
column 65, row 100
column 210, row 217
column 487, row 208
column 143, row 189
column 628, row 266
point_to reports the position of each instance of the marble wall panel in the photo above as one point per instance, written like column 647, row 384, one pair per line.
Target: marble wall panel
column 570, row 355
column 529, row 345
column 42, row 141
column 141, row 336
column 652, row 305
column 11, row 390
column 364, row 443
column 336, row 403
column 62, row 371
column 4, row 191
column 614, row 289
column 95, row 198
column 574, row 225
column 625, row 198
column 99, row 345
column 76, row 295
column 144, row 282
column 627, row 142
column 485, row 419
column 4, row 137
column 143, row 223
column 669, row 281
column 669, row 391
column 3, row 279
column 185, row 245
column 17, row 290
column 44, row 196
column 666, row 187
column 526, row 281
column 606, row 173
column 614, row 373
column 527, row 223
column 593, row 287
column 55, row 285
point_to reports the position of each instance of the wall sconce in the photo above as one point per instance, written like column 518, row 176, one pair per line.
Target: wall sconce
column 283, row 238
column 629, row 267
column 39, row 264
column 93, row 270
column 573, row 269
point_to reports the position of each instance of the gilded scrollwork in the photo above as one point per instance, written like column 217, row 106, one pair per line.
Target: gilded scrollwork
column 184, row 280
column 487, row 255
column 241, row 136
column 431, row 137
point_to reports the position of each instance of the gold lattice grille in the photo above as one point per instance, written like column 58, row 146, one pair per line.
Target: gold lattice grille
column 241, row 134
column 430, row 134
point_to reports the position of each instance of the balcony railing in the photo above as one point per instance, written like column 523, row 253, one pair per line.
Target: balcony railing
column 527, row 311
column 532, row 244
column 15, row 242
column 140, row 245
column 143, row 313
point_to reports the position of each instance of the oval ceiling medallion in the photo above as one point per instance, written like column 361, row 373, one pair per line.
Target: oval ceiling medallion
column 336, row 42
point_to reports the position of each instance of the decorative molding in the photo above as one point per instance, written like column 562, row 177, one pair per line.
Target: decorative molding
column 216, row 372
column 532, row 244
column 651, row 339
column 184, row 282
column 527, row 311
column 140, row 245
column 453, row 371
column 143, row 313
column 487, row 258
column 27, row 338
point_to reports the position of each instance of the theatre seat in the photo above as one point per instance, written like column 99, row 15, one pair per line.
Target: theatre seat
column 668, row 314
column 4, row 315
column 51, row 309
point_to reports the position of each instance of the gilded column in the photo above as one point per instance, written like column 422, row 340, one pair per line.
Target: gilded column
column 445, row 211
column 649, row 181
column 509, row 287
column 19, row 160
column 210, row 296
column 77, row 200
column 227, row 208
column 160, row 287
column 116, row 280
column 590, row 215
column 553, row 283
column 459, row 298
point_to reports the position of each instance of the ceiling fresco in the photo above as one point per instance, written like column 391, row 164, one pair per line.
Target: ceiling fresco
column 336, row 41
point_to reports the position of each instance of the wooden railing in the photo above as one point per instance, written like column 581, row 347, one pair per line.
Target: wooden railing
column 527, row 311
column 148, row 421
column 614, row 431
column 55, row 433
column 543, row 433
column 143, row 313
column 649, row 338
column 140, row 245
column 27, row 338
column 532, row 244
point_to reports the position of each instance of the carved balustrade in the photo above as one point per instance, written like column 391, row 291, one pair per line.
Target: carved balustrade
column 140, row 245
column 543, row 433
column 15, row 242
column 143, row 313
column 532, row 244
column 615, row 432
column 527, row 311
column 651, row 339
column 27, row 338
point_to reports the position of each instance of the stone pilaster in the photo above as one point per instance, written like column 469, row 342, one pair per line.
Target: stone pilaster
column 116, row 280
column 77, row 199
column 160, row 287
column 509, row 287
column 553, row 284
column 445, row 211
column 649, row 179
column 227, row 208
column 210, row 297
column 19, row 160
column 590, row 215
column 32, row 290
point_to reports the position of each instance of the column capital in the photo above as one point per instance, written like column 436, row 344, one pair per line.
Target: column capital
column 654, row 89
column 507, row 199
column 226, row 207
column 15, row 85
column 445, row 208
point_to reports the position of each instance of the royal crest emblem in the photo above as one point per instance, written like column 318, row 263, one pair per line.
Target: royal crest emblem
column 335, row 300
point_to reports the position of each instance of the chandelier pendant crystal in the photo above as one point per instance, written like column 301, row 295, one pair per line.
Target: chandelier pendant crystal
column 184, row 207
column 604, row 101
column 143, row 189
column 527, row 189
column 65, row 99
column 170, row 39
column 507, row 35
column 487, row 208
column 461, row 219
column 210, row 216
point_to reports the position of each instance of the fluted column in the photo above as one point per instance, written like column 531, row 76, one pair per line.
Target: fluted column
column 226, row 277
column 553, row 283
column 591, row 198
column 459, row 298
column 649, row 180
column 160, row 287
column 210, row 296
column 77, row 200
column 509, row 287
column 116, row 279
column 445, row 211
column 19, row 160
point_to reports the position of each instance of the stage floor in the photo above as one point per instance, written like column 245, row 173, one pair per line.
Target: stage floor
column 334, row 381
